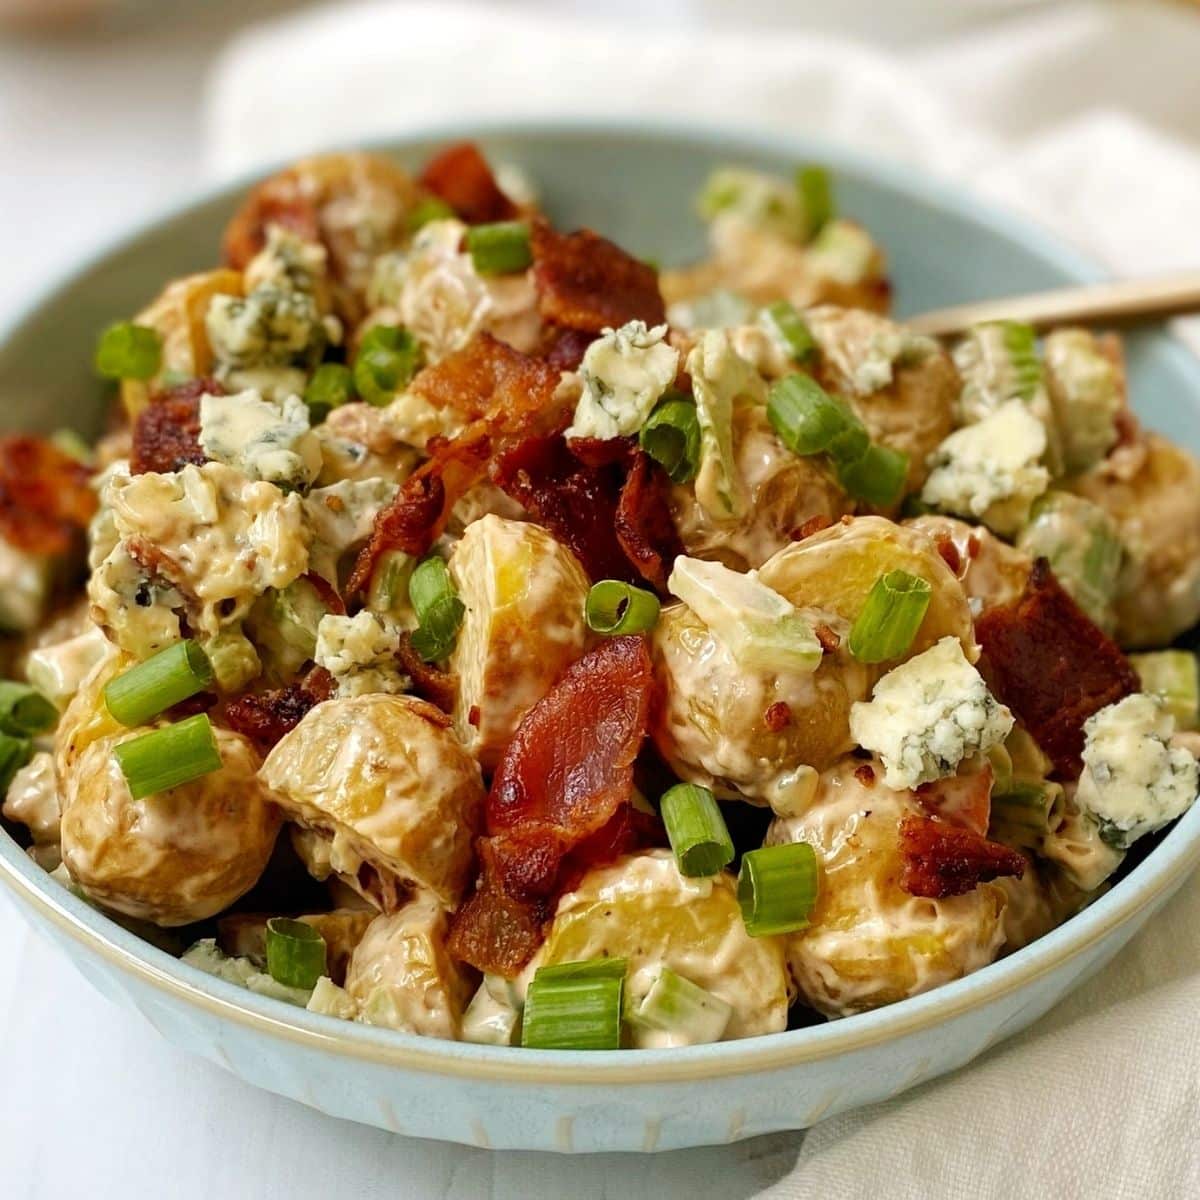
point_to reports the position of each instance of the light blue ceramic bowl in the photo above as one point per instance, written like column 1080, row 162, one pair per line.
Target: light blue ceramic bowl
column 635, row 184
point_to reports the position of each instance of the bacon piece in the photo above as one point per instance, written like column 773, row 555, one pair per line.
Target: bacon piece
column 438, row 687
column 645, row 528
column 166, row 433
column 264, row 717
column 964, row 800
column 460, row 175
column 556, row 802
column 943, row 860
column 505, row 395
column 865, row 774
column 45, row 497
column 778, row 716
column 1052, row 666
column 811, row 526
column 586, row 282
column 326, row 592
column 566, row 348
column 281, row 200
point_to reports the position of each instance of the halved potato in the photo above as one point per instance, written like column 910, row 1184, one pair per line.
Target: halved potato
column 524, row 593
column 868, row 942
column 386, row 780
column 835, row 570
column 86, row 718
column 402, row 977
column 641, row 909
column 172, row 858
column 178, row 316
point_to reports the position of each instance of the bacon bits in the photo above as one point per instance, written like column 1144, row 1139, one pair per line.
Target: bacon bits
column 265, row 717
column 811, row 526
column 438, row 687
column 558, row 803
column 565, row 348
column 588, row 283
column 778, row 716
column 1052, row 666
column 461, row 176
column 645, row 528
column 166, row 434
column 943, row 860
column 45, row 497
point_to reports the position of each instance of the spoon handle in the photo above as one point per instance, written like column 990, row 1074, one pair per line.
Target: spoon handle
column 1098, row 303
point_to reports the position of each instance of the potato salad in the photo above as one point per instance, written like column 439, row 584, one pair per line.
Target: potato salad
column 468, row 628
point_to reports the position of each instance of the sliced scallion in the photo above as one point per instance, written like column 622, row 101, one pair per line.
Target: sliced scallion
column 431, row 208
column 782, row 319
column 613, row 608
column 499, row 249
column 128, row 351
column 437, row 607
column 1172, row 675
column 671, row 436
column 589, row 968
column 331, row 386
column 807, row 419
column 428, row 585
column 686, row 1012
column 889, row 620
column 573, row 1013
column 816, row 195
column 777, row 888
column 24, row 711
column 388, row 357
column 877, row 478
column 696, row 829
column 169, row 757
column 295, row 953
column 166, row 678
column 15, row 752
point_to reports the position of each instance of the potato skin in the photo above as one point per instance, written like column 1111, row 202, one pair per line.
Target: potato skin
column 386, row 773
column 524, row 593
column 179, row 856
column 868, row 942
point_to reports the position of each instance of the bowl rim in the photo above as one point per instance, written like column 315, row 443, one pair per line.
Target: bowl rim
column 1150, row 881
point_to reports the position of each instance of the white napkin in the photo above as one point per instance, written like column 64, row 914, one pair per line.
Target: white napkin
column 1075, row 113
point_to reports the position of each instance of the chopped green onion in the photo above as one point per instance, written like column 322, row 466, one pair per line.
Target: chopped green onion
column 295, row 953
column 1172, row 674
column 430, row 208
column 331, row 386
column 807, row 419
column 128, row 351
column 500, row 249
column 877, row 477
column 24, row 710
column 889, row 620
column 429, row 584
column 777, row 888
column 790, row 328
column 1020, row 813
column 683, row 1010
column 388, row 357
column 439, row 630
column 816, row 196
column 164, row 679
column 580, row 1012
column 613, row 608
column 671, row 436
column 696, row 829
column 15, row 752
column 169, row 757
column 590, row 968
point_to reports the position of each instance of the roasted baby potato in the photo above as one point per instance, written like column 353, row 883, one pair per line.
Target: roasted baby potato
column 524, row 593
column 386, row 779
column 991, row 571
column 172, row 858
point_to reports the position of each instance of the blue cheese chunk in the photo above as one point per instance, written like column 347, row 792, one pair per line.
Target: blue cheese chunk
column 271, row 326
column 360, row 653
column 928, row 715
column 265, row 441
column 1087, row 392
column 863, row 348
column 1133, row 781
column 624, row 374
column 341, row 518
column 991, row 470
column 287, row 262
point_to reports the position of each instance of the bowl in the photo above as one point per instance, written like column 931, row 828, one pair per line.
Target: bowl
column 635, row 184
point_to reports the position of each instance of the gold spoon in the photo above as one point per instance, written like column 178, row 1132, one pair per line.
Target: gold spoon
column 1118, row 303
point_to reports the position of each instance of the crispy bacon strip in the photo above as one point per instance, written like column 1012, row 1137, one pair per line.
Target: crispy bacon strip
column 45, row 497
column 943, row 860
column 166, row 433
column 586, row 282
column 557, row 803
column 460, row 175
column 565, row 348
column 264, row 717
column 645, row 527
column 506, row 395
column 439, row 687
column 1052, row 666
column 964, row 800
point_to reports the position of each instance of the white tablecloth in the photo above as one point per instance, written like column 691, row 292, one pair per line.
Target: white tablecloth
column 1080, row 114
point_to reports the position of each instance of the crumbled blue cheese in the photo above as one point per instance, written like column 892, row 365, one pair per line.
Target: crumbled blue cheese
column 341, row 518
column 360, row 653
column 271, row 442
column 332, row 1001
column 843, row 252
column 863, row 348
column 721, row 380
column 1086, row 395
column 1133, row 781
column 269, row 327
column 998, row 362
column 208, row 957
column 927, row 715
column 287, row 261
column 763, row 201
column 991, row 470
column 624, row 374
